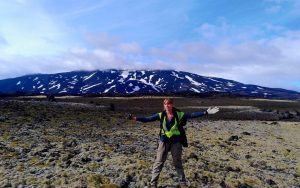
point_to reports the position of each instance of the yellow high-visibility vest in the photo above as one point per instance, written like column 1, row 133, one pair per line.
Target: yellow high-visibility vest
column 174, row 129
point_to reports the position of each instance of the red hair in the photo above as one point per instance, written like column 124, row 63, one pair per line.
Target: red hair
column 168, row 100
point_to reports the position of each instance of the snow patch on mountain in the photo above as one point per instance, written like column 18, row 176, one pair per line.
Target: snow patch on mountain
column 193, row 81
column 195, row 90
column 88, row 77
column 109, row 89
column 214, row 80
column 176, row 75
column 57, row 86
column 89, row 87
column 230, row 84
column 125, row 74
column 110, row 82
column 52, row 82
column 136, row 88
column 73, row 82
column 157, row 82
column 150, row 84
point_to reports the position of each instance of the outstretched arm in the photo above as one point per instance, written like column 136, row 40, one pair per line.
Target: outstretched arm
column 210, row 110
column 195, row 114
column 153, row 117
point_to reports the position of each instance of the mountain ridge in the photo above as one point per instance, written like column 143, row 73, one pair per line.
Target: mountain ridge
column 128, row 82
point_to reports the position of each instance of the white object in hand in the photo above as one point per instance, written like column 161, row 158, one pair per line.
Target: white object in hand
column 212, row 110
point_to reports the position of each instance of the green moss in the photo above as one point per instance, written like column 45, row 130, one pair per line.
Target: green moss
column 143, row 163
column 252, row 181
column 9, row 155
column 5, row 136
column 94, row 180
column 93, row 166
column 289, row 154
column 31, row 180
column 108, row 148
column 128, row 142
column 24, row 120
column 58, row 183
column 34, row 161
column 108, row 186
column 19, row 144
column 48, row 184
column 297, row 169
column 20, row 168
column 281, row 166
column 65, row 174
column 54, row 138
column 209, row 174
column 232, row 183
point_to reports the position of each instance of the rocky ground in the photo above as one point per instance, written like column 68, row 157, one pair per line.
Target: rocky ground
column 59, row 144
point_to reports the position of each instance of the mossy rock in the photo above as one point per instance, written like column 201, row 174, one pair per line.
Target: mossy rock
column 19, row 144
column 48, row 184
column 9, row 155
column 109, row 186
column 5, row 136
column 252, row 181
column 95, row 180
column 20, row 168
column 93, row 166
column 108, row 148
column 298, row 169
column 31, row 180
column 232, row 183
column 143, row 163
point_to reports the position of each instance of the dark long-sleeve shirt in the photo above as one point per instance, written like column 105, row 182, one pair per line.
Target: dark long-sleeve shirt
column 169, row 123
column 155, row 117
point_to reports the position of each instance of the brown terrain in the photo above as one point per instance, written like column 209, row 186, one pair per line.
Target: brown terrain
column 88, row 142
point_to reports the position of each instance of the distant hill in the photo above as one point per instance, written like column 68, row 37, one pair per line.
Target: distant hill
column 124, row 82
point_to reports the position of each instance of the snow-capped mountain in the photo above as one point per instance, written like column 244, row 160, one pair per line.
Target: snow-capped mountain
column 134, row 82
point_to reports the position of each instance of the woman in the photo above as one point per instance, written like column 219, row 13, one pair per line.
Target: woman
column 172, row 137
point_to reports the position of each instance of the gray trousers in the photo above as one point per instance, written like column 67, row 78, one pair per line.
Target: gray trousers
column 161, row 157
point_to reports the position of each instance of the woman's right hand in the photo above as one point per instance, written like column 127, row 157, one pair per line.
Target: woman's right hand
column 131, row 117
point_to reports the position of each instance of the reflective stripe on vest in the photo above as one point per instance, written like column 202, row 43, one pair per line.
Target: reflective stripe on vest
column 174, row 129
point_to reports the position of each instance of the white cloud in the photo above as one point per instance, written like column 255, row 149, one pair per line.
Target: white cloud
column 132, row 47
column 223, row 32
column 101, row 40
column 270, row 62
column 273, row 62
column 21, row 1
column 3, row 42
column 273, row 9
column 29, row 30
column 296, row 7
column 288, row 7
column 86, row 9
column 104, row 55
column 33, row 42
column 207, row 30
column 79, row 50
column 268, row 27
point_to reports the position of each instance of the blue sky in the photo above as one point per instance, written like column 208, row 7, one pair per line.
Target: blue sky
column 254, row 42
